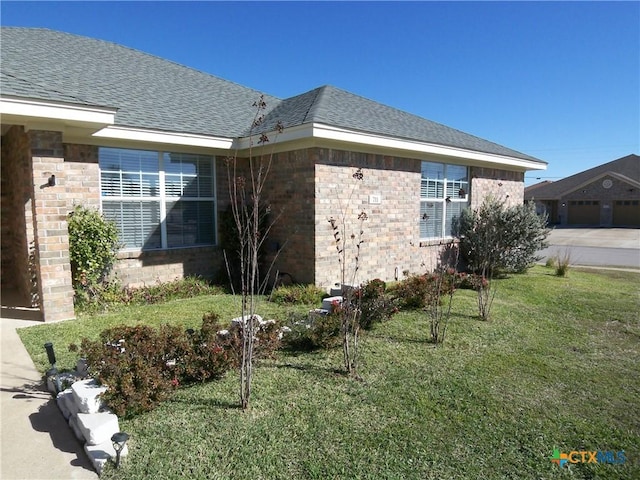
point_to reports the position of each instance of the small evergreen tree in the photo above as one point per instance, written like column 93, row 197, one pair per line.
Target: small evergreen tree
column 496, row 238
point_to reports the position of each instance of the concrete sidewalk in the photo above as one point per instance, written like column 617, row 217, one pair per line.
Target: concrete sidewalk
column 36, row 442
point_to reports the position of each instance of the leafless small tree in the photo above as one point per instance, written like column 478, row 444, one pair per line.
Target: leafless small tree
column 246, row 192
column 348, row 243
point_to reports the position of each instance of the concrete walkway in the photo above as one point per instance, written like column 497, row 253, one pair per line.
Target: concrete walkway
column 36, row 442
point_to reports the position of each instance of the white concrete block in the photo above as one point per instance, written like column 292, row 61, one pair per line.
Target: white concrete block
column 239, row 321
column 97, row 427
column 62, row 403
column 72, row 406
column 327, row 303
column 87, row 395
column 336, row 290
column 99, row 455
column 73, row 423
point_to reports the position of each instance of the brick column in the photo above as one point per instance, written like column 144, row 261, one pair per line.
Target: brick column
column 50, row 208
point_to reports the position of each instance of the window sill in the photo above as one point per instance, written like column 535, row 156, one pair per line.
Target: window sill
column 438, row 241
column 164, row 252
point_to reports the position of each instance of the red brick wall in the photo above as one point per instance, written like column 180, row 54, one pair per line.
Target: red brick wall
column 309, row 186
column 18, row 272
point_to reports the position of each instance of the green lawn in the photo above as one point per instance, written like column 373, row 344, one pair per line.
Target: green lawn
column 558, row 366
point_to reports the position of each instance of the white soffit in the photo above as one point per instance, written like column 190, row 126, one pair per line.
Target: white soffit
column 170, row 138
column 26, row 110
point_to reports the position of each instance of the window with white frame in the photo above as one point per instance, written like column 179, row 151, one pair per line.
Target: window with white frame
column 444, row 194
column 158, row 199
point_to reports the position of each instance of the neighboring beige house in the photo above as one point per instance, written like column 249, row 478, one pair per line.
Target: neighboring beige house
column 604, row 196
column 145, row 140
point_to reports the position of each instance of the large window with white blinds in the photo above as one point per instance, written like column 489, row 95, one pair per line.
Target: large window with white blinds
column 444, row 194
column 158, row 199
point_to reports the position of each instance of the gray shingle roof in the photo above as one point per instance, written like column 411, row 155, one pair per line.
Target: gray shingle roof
column 628, row 166
column 151, row 92
column 332, row 106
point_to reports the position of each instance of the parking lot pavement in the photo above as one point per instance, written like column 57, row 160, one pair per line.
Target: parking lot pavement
column 598, row 247
column 596, row 237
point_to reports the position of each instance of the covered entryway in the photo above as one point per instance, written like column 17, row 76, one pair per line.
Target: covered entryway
column 584, row 212
column 626, row 213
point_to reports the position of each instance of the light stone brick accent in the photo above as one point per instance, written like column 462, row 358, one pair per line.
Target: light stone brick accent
column 503, row 185
column 391, row 232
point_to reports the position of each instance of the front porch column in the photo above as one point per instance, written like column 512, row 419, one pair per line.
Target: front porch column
column 51, row 236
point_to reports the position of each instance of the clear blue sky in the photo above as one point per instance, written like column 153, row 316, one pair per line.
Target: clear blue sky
column 559, row 81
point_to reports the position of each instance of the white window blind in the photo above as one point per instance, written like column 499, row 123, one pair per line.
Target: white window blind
column 444, row 194
column 158, row 199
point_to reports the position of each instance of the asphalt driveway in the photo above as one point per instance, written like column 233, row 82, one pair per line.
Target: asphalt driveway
column 603, row 247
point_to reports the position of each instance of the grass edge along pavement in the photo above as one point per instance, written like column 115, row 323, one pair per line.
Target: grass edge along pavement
column 557, row 368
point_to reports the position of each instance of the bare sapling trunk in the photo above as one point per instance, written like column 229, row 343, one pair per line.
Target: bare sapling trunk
column 348, row 243
column 443, row 288
column 248, row 212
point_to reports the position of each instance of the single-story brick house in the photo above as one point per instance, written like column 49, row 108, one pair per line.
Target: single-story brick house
column 144, row 140
column 604, row 196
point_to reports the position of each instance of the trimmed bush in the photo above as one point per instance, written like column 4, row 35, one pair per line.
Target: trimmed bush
column 110, row 294
column 93, row 245
column 312, row 331
column 419, row 291
column 297, row 295
column 132, row 362
column 376, row 304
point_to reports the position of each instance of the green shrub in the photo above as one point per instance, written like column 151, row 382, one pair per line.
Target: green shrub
column 376, row 305
column 312, row 331
column 93, row 245
column 297, row 295
column 419, row 291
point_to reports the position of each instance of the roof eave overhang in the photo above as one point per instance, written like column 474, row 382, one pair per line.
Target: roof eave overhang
column 158, row 137
column 58, row 115
column 317, row 134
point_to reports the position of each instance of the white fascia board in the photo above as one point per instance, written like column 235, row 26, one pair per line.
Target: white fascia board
column 290, row 134
column 170, row 138
column 350, row 136
column 71, row 113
